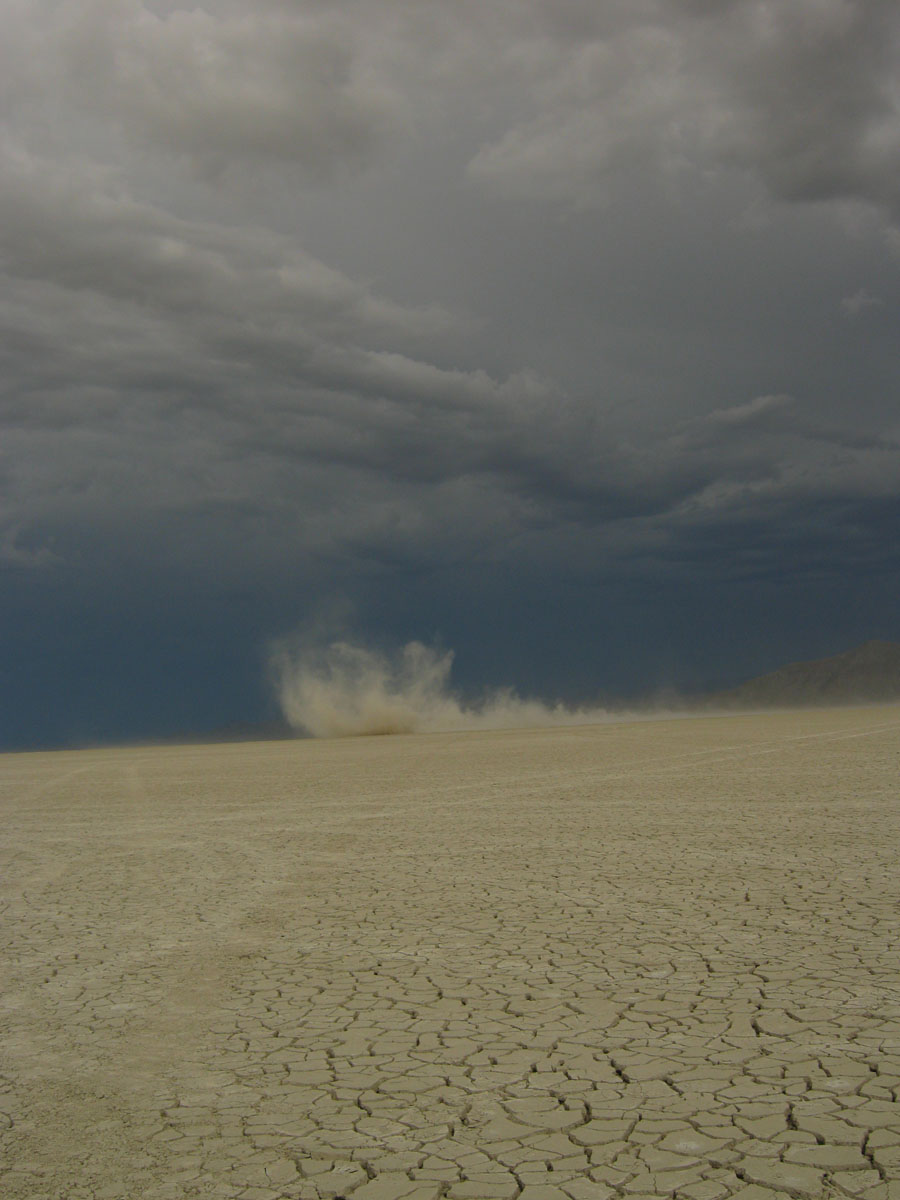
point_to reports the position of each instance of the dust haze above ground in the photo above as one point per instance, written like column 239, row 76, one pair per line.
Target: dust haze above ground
column 559, row 334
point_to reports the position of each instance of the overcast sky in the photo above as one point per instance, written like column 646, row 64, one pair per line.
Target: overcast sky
column 561, row 332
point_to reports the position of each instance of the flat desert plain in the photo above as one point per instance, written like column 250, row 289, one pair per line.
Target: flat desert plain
column 652, row 958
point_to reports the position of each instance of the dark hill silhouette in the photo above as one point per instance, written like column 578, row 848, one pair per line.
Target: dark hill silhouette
column 868, row 673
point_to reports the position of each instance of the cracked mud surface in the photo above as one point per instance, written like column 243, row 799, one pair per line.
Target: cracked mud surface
column 649, row 959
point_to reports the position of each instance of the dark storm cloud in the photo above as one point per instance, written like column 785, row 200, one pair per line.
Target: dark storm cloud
column 803, row 94
column 570, row 290
column 213, row 84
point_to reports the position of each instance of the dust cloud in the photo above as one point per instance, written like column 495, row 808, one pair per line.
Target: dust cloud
column 342, row 689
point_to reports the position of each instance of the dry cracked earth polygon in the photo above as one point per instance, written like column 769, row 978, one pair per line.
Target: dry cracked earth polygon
column 651, row 959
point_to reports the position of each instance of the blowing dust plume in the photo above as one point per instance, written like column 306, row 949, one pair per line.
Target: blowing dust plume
column 341, row 690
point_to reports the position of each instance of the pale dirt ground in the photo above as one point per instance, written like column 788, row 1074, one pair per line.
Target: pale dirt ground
column 648, row 959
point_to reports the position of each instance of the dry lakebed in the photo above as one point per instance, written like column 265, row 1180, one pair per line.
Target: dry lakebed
column 655, row 958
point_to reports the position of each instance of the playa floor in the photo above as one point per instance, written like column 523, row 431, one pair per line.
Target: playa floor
column 658, row 958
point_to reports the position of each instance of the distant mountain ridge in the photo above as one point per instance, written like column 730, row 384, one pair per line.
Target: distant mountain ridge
column 870, row 672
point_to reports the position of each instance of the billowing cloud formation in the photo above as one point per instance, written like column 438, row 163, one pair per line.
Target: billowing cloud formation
column 291, row 82
column 802, row 93
column 325, row 293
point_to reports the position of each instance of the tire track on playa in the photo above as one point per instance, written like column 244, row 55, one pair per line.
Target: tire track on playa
column 683, row 762
column 112, row 979
column 41, row 790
